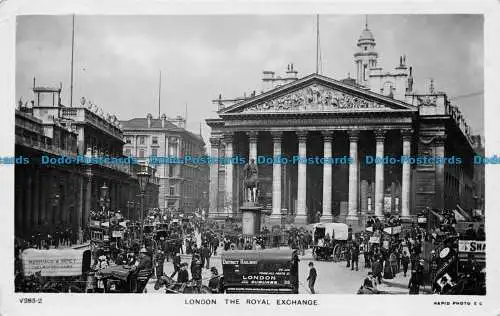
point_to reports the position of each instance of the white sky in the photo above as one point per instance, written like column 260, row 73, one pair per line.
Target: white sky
column 118, row 58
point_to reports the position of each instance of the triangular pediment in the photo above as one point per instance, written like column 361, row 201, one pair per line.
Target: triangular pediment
column 317, row 93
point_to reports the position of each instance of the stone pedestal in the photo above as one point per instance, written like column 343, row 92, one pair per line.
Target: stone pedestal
column 300, row 220
column 251, row 218
column 326, row 219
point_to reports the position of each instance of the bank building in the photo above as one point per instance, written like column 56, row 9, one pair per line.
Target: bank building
column 375, row 113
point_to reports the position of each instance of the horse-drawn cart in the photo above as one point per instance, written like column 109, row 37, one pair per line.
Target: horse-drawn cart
column 329, row 240
column 53, row 271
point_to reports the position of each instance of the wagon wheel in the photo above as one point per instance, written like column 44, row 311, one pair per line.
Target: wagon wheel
column 75, row 289
column 331, row 253
column 336, row 257
column 315, row 256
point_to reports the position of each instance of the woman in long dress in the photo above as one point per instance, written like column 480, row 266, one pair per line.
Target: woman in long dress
column 388, row 272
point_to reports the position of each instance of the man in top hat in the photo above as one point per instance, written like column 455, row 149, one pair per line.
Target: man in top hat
column 205, row 256
column 312, row 277
column 214, row 281
column 183, row 275
column 160, row 261
column 196, row 268
column 144, row 269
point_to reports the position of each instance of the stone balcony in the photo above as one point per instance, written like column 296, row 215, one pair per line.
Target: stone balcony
column 84, row 115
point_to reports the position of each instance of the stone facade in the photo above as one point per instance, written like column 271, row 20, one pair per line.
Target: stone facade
column 50, row 198
column 183, row 187
column 317, row 116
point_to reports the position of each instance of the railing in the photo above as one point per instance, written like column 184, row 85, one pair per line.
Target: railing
column 459, row 119
column 69, row 112
column 42, row 146
column 85, row 115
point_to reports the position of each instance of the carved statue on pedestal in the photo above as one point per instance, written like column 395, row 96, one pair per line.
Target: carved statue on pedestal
column 251, row 181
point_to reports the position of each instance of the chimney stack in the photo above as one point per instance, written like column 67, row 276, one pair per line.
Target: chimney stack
column 149, row 117
column 267, row 80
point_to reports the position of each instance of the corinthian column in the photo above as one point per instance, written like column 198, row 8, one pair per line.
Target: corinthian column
column 327, row 177
column 276, row 214
column 405, row 183
column 228, row 200
column 301, row 216
column 252, row 145
column 353, row 176
column 379, row 173
column 214, row 177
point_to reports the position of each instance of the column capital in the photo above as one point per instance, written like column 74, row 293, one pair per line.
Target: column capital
column 353, row 135
column 327, row 136
column 215, row 141
column 277, row 136
column 440, row 140
column 301, row 135
column 380, row 134
column 406, row 134
column 228, row 137
column 252, row 136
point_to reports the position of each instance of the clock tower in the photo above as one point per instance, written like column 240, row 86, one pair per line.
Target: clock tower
column 366, row 56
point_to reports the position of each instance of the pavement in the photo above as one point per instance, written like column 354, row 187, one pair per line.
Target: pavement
column 333, row 277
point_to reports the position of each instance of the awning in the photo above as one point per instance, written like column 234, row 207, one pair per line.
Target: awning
column 437, row 215
column 458, row 217
column 464, row 213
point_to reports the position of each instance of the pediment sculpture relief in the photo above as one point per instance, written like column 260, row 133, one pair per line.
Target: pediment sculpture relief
column 314, row 98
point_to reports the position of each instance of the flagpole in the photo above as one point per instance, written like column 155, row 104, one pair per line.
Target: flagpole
column 72, row 61
column 159, row 97
column 317, row 43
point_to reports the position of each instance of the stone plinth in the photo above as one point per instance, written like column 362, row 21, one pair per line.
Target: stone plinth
column 251, row 218
column 300, row 220
column 326, row 219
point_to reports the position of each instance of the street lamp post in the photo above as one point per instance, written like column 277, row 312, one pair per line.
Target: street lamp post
column 143, row 176
column 104, row 201
column 129, row 205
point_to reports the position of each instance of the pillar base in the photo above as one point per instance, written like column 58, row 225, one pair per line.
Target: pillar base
column 326, row 219
column 406, row 219
column 352, row 218
column 300, row 220
column 275, row 219
column 354, row 224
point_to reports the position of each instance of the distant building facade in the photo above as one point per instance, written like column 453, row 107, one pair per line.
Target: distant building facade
column 479, row 175
column 55, row 197
column 182, row 187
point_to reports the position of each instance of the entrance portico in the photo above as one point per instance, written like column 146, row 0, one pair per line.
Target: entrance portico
column 315, row 117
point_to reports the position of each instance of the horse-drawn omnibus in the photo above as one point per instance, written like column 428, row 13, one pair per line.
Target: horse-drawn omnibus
column 53, row 271
column 329, row 240
column 268, row 271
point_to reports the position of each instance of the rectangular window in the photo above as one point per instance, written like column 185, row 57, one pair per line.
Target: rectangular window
column 128, row 140
column 154, row 152
column 142, row 140
column 155, row 140
column 170, row 170
column 141, row 153
column 127, row 152
column 172, row 190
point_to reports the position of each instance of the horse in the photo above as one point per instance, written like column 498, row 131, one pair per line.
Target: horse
column 172, row 287
column 251, row 185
